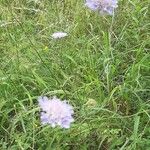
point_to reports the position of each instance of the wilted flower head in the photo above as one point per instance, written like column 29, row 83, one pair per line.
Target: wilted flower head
column 91, row 103
column 55, row 112
column 103, row 6
column 58, row 35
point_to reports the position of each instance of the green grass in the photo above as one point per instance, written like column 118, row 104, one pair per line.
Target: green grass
column 103, row 58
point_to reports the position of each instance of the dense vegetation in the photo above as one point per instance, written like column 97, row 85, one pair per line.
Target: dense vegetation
column 102, row 68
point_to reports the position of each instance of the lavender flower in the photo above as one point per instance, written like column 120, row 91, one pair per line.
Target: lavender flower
column 92, row 4
column 103, row 6
column 58, row 35
column 55, row 112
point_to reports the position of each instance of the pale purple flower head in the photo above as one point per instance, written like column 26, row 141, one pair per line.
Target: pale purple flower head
column 103, row 6
column 55, row 112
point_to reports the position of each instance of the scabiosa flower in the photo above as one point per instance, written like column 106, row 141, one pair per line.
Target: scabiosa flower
column 103, row 6
column 55, row 112
column 58, row 35
column 92, row 4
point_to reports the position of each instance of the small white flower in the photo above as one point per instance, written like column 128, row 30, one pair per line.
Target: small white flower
column 58, row 35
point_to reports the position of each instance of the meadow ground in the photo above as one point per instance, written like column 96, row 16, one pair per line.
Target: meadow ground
column 103, row 58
